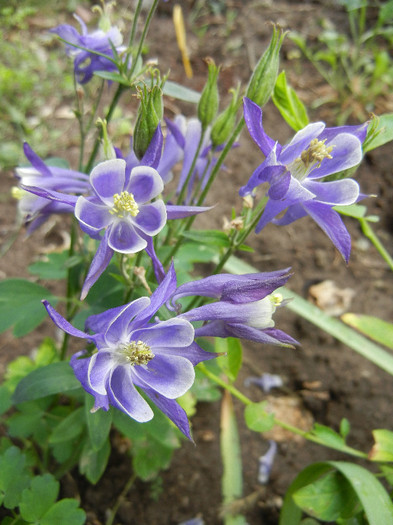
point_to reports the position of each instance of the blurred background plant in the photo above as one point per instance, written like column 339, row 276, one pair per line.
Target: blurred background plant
column 357, row 64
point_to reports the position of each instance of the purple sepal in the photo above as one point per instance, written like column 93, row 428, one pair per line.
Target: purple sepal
column 36, row 161
column 64, row 325
column 99, row 263
column 51, row 195
column 234, row 288
column 253, row 119
column 158, row 298
column 80, row 364
column 172, row 409
column 180, row 212
column 153, row 153
column 158, row 268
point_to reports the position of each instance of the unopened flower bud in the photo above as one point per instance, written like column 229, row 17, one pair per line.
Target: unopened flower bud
column 208, row 103
column 225, row 122
column 263, row 79
column 107, row 146
column 149, row 116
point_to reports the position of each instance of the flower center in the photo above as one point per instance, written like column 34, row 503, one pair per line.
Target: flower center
column 136, row 352
column 124, row 203
column 310, row 158
column 18, row 193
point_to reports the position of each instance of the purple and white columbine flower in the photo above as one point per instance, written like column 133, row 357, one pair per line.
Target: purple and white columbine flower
column 119, row 203
column 292, row 172
column 245, row 306
column 87, row 61
column 135, row 351
column 35, row 210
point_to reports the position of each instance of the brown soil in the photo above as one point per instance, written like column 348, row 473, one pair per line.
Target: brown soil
column 324, row 380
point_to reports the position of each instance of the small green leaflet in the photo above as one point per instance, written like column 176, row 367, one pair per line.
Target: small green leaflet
column 380, row 133
column 172, row 89
column 54, row 378
column 257, row 419
column 383, row 446
column 20, row 305
column 287, row 102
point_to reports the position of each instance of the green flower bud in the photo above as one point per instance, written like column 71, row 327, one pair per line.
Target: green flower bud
column 208, row 103
column 226, row 121
column 263, row 79
column 149, row 116
column 107, row 146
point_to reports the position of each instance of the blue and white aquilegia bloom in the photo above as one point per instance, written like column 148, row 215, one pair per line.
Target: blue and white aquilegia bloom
column 135, row 351
column 120, row 204
column 293, row 172
column 245, row 307
column 87, row 61
column 35, row 209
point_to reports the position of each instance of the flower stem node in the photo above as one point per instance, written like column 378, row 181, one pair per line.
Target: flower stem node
column 136, row 352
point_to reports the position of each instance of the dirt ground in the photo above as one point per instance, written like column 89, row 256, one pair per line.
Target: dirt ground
column 324, row 380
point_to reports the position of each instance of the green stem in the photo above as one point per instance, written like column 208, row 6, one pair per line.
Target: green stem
column 143, row 37
column 120, row 500
column 286, row 426
column 370, row 234
column 191, row 170
column 108, row 116
column 213, row 175
column 134, row 24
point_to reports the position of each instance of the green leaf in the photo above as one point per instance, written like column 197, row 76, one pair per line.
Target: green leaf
column 52, row 267
column 287, row 102
column 98, row 423
column 20, row 305
column 23, row 424
column 373, row 327
column 172, row 89
column 64, row 512
column 5, row 399
column 371, row 494
column 208, row 237
column 113, row 77
column 328, row 498
column 92, row 463
column 54, row 378
column 70, row 427
column 39, row 497
column 231, row 362
column 149, row 456
column 232, row 476
column 381, row 134
column 345, row 427
column 357, row 211
column 328, row 436
column 383, row 447
column 14, row 477
column 257, row 419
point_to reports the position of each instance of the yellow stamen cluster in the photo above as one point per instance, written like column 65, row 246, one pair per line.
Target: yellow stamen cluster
column 124, row 203
column 137, row 352
column 18, row 193
column 310, row 158
column 276, row 299
column 316, row 152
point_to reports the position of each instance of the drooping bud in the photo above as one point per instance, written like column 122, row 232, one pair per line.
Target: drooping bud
column 226, row 120
column 149, row 115
column 208, row 103
column 263, row 79
column 107, row 146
